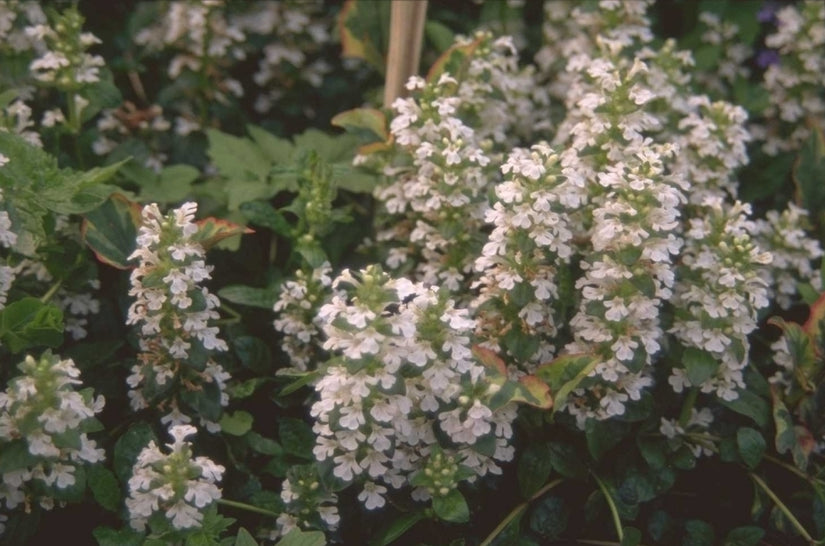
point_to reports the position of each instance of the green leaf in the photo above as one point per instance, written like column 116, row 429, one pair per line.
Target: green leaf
column 809, row 172
column 565, row 373
column 237, row 423
column 245, row 538
column 171, row 185
column 549, row 517
column 212, row 230
column 265, row 215
column 751, row 446
column 698, row 533
column 452, row 507
column 279, row 151
column 253, row 353
column 106, row 536
column 533, row 468
column 15, row 456
column 247, row 388
column 750, row 405
column 104, row 486
column 567, row 461
column 602, row 436
column 439, row 35
column 364, row 28
column 263, row 298
column 129, row 446
column 397, row 528
column 632, row 536
column 744, row 536
column 296, row 437
column 700, row 365
column 264, row 445
column 111, row 230
column 237, row 159
column 370, row 124
column 30, row 323
column 207, row 401
column 789, row 437
column 312, row 253
column 296, row 537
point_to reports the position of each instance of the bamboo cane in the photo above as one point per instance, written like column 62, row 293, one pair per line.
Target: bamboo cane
column 406, row 34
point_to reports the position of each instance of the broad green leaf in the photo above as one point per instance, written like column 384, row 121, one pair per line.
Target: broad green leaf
column 534, row 467
column 397, row 528
column 245, row 538
column 632, row 537
column 253, row 353
column 700, row 365
column 452, row 507
column 567, row 460
column 247, row 388
column 15, row 456
column 128, row 446
column 79, row 192
column 106, row 536
column 602, row 436
column 171, row 185
column 439, row 35
column 111, row 230
column 279, row 151
column 698, row 533
column 296, row 437
column 532, row 391
column 237, row 159
column 296, row 537
column 744, row 536
column 750, row 405
column 265, row 215
column 549, row 517
column 263, row 298
column 30, row 323
column 236, row 423
column 105, row 487
column 809, row 172
column 751, row 446
column 207, row 401
column 264, row 445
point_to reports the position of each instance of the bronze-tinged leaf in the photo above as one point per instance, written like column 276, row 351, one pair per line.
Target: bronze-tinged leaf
column 490, row 359
column 454, row 61
column 363, row 28
column 534, row 392
column 111, row 229
column 213, row 230
column 364, row 121
column 813, row 326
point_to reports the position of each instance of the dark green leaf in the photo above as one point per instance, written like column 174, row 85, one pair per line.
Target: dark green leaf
column 237, row 159
column 750, row 405
column 397, row 528
column 700, row 365
column 253, row 353
column 602, row 436
column 452, row 507
column 263, row 298
column 110, row 230
column 534, row 468
column 751, row 446
column 809, row 172
column 698, row 533
column 171, row 185
column 264, row 445
column 632, row 537
column 744, row 536
column 129, row 446
column 30, row 323
column 104, row 486
column 244, row 538
column 296, row 437
column 296, row 537
column 549, row 517
column 260, row 213
column 106, row 536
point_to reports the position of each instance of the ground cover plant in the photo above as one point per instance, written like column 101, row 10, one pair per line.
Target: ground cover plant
column 565, row 289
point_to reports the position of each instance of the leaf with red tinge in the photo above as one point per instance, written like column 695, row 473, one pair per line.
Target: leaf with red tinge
column 213, row 230
column 359, row 23
column 111, row 229
column 362, row 121
column 564, row 374
column 490, row 359
column 534, row 392
column 813, row 326
column 454, row 61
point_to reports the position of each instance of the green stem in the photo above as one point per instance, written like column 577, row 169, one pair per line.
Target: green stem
column 782, row 507
column 514, row 513
column 234, row 315
column 687, row 407
column 617, row 522
column 52, row 290
column 248, row 507
column 789, row 467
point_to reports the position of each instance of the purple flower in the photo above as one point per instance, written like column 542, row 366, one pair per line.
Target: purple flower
column 767, row 57
column 767, row 13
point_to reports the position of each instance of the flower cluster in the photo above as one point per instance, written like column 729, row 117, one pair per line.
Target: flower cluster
column 795, row 83
column 8, row 239
column 44, row 426
column 127, row 123
column 172, row 486
column 307, row 503
column 174, row 315
column 446, row 136
column 719, row 291
column 527, row 254
column 731, row 64
column 297, row 309
column 402, row 381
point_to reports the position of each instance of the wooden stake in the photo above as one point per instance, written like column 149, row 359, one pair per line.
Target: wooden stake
column 407, row 19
